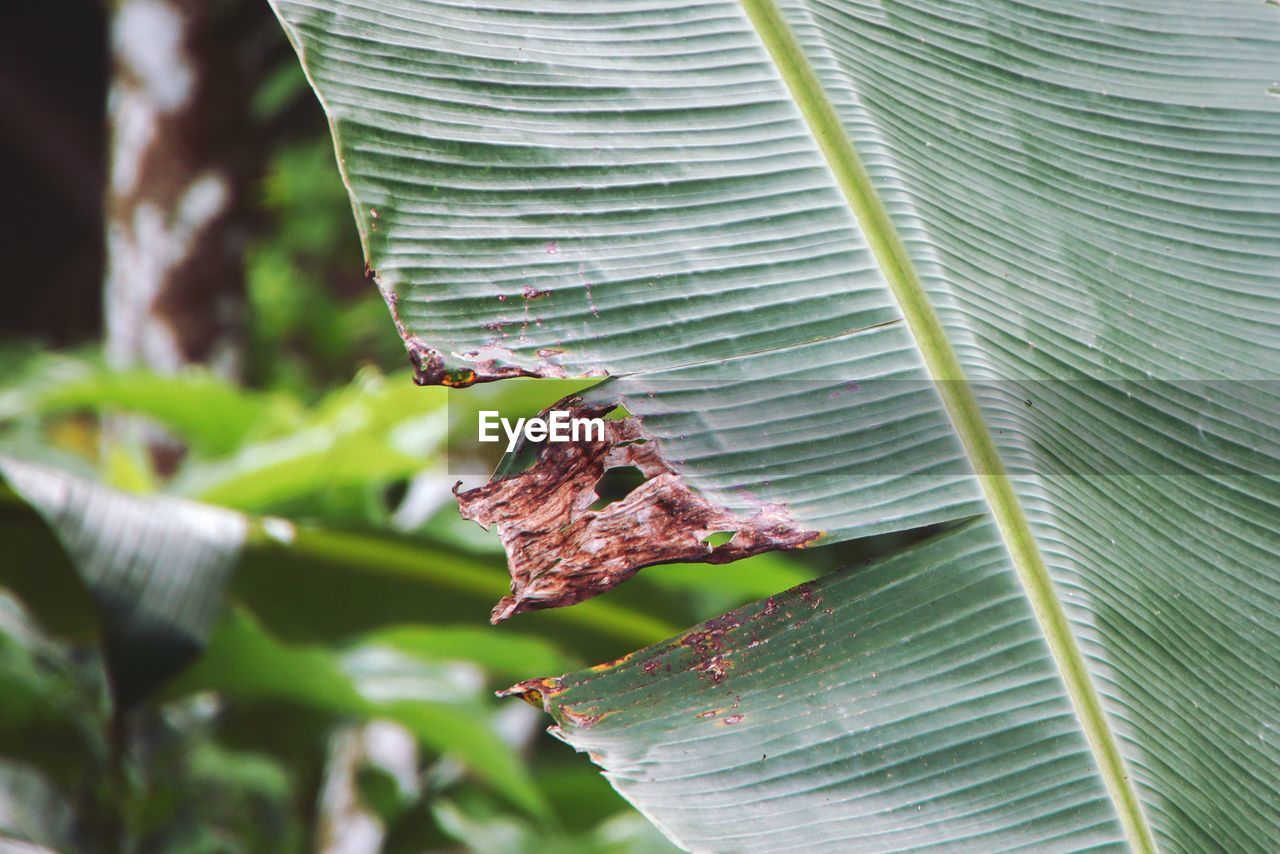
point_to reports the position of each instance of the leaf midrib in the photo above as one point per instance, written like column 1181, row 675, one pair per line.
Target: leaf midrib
column 957, row 396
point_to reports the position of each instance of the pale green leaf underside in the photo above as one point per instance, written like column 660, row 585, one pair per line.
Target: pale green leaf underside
column 1084, row 190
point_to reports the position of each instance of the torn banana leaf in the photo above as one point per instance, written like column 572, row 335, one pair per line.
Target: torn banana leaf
column 1059, row 221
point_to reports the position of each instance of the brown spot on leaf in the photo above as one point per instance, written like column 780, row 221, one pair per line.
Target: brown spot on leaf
column 560, row 551
column 714, row 667
column 535, row 692
column 608, row 665
column 431, row 368
column 582, row 720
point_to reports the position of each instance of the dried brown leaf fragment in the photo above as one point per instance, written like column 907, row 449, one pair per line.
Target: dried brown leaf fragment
column 560, row 551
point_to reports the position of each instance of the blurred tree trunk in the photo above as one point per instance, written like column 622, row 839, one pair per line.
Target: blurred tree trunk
column 184, row 159
column 347, row 823
column 53, row 83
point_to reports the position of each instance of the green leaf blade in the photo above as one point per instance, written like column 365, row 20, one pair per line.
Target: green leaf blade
column 910, row 704
column 463, row 154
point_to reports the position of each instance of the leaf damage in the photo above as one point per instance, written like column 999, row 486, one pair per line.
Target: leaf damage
column 536, row 692
column 560, row 551
column 717, row 651
column 491, row 364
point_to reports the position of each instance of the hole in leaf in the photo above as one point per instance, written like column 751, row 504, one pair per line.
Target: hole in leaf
column 718, row 538
column 615, row 485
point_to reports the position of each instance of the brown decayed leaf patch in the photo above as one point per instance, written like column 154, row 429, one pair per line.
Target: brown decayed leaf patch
column 560, row 551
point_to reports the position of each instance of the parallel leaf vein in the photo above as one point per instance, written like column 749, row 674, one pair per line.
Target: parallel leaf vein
column 962, row 407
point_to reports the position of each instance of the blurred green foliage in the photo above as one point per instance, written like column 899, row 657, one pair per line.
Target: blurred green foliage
column 312, row 315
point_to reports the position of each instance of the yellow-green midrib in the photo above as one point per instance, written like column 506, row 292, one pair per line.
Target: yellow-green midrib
column 944, row 367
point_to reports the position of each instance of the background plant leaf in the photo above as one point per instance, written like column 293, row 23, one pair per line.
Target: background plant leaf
column 156, row 569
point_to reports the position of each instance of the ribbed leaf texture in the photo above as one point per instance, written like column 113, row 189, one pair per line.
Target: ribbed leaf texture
column 883, row 264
